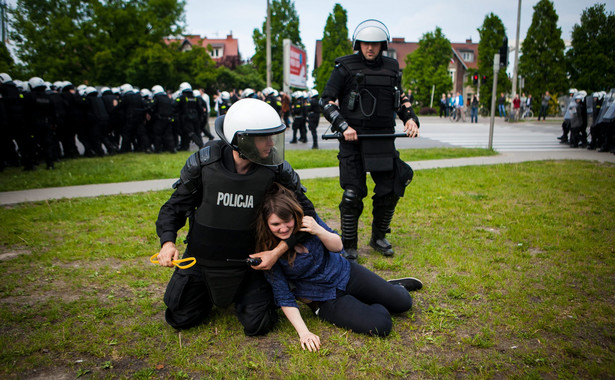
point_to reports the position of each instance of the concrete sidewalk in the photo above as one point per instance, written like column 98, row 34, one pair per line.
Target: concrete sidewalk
column 14, row 197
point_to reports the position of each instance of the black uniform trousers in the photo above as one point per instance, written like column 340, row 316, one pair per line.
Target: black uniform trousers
column 189, row 303
column 353, row 174
column 365, row 306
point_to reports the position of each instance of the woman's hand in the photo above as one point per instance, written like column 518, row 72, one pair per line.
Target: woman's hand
column 332, row 241
column 310, row 341
column 310, row 225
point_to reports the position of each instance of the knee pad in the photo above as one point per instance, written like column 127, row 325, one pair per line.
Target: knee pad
column 351, row 201
column 262, row 327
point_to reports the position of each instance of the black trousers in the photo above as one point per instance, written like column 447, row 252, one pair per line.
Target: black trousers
column 365, row 306
column 189, row 303
column 353, row 174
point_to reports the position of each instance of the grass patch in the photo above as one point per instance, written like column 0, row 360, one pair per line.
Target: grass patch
column 141, row 166
column 518, row 263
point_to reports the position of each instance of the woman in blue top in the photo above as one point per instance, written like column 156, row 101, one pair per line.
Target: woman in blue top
column 337, row 290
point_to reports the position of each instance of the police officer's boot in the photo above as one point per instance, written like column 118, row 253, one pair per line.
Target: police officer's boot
column 384, row 208
column 294, row 139
column 351, row 208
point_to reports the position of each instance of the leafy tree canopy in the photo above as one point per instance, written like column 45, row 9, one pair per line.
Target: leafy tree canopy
column 492, row 34
column 427, row 67
column 335, row 43
column 284, row 25
column 91, row 41
column 591, row 60
column 542, row 53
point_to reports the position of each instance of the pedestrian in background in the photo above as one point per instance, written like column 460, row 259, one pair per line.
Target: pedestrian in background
column 474, row 114
column 502, row 105
column 544, row 106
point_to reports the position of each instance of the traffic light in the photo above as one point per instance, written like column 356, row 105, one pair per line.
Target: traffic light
column 504, row 53
column 475, row 78
column 483, row 79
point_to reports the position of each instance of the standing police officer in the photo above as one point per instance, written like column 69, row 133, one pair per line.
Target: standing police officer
column 368, row 87
column 162, row 119
column 220, row 189
column 189, row 114
column 133, row 133
column 40, row 114
column 313, row 116
column 13, row 105
column 299, row 112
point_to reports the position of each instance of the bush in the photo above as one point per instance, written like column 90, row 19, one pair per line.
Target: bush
column 428, row 111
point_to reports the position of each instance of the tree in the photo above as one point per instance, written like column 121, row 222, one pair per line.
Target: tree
column 335, row 43
column 591, row 60
column 90, row 41
column 491, row 34
column 542, row 61
column 427, row 66
column 6, row 61
column 284, row 25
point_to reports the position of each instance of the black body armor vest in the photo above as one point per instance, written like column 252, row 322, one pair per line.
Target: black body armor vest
column 372, row 96
column 223, row 224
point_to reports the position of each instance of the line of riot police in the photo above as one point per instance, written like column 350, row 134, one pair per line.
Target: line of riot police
column 41, row 121
column 596, row 111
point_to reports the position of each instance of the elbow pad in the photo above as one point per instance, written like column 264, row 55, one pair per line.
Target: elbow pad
column 332, row 113
column 406, row 113
column 190, row 176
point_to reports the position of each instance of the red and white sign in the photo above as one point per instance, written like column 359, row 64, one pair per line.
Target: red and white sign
column 298, row 67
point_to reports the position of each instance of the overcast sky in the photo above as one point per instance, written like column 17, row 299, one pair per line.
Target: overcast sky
column 410, row 19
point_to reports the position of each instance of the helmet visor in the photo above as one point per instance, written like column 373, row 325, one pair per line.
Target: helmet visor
column 262, row 148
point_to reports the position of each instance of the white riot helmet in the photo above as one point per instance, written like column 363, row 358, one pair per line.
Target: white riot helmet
column 157, row 89
column 90, row 90
column 247, row 93
column 225, row 95
column 125, row 88
column 105, row 90
column 36, row 82
column 572, row 91
column 57, row 85
column 4, row 77
column 371, row 31
column 254, row 129
column 312, row 93
column 145, row 93
column 23, row 86
column 580, row 95
column 267, row 91
column 185, row 86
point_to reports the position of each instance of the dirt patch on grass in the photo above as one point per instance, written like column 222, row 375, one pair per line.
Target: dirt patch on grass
column 5, row 256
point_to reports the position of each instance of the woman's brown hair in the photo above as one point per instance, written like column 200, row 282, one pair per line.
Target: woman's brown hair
column 281, row 202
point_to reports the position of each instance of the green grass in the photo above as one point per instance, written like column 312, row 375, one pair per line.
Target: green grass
column 518, row 263
column 141, row 166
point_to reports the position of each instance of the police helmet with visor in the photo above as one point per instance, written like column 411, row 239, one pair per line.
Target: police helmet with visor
column 371, row 31
column 254, row 129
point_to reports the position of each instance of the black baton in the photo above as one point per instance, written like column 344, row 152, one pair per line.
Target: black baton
column 339, row 136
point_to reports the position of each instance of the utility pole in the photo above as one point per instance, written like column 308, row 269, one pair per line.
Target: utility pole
column 3, row 20
column 494, row 90
column 516, row 65
column 269, row 44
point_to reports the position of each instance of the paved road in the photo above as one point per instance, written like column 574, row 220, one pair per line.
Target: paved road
column 529, row 141
column 437, row 132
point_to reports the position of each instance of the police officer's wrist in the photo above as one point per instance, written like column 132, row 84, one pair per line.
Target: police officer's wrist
column 342, row 126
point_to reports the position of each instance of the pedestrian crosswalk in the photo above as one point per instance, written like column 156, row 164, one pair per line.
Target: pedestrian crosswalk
column 504, row 138
column 522, row 137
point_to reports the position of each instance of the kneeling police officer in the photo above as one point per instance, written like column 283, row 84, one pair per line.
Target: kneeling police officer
column 368, row 87
column 219, row 190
